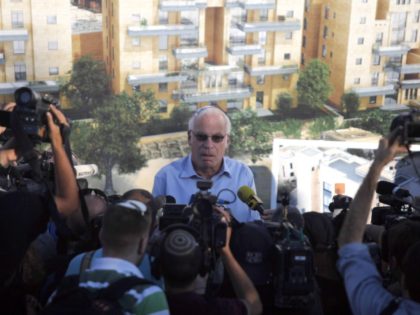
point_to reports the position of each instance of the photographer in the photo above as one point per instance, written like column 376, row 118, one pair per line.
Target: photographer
column 362, row 280
column 181, row 262
column 24, row 215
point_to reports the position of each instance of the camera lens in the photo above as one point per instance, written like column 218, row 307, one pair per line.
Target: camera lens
column 25, row 97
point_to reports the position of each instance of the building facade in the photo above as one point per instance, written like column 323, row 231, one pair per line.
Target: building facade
column 35, row 45
column 238, row 54
column 371, row 46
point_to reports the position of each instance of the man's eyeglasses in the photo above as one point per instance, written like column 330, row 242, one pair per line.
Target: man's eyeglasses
column 203, row 137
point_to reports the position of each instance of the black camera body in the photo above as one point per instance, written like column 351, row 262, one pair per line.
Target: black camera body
column 31, row 109
column 409, row 123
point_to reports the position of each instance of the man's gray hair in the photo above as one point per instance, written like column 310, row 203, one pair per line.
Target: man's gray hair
column 209, row 110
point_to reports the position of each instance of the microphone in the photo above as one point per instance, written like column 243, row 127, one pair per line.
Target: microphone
column 85, row 170
column 248, row 196
column 169, row 199
column 387, row 188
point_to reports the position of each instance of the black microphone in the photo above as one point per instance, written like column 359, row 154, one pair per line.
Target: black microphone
column 387, row 188
column 170, row 199
column 248, row 196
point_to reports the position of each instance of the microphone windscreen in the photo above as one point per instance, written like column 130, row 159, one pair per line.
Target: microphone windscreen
column 385, row 188
column 245, row 193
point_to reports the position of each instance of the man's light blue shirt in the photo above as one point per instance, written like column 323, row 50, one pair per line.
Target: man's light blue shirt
column 363, row 283
column 179, row 180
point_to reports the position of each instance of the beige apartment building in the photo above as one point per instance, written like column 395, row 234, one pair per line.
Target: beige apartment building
column 371, row 46
column 236, row 53
column 35, row 45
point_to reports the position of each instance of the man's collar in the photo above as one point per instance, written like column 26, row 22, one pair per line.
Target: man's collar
column 188, row 170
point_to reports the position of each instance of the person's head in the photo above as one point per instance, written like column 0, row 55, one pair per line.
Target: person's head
column 125, row 229
column 180, row 258
column 208, row 137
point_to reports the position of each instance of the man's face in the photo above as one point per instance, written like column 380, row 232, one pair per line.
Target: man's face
column 208, row 141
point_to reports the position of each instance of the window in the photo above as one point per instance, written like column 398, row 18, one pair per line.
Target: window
column 324, row 51
column 305, row 23
column 163, row 63
column 264, row 15
column 262, row 38
column 163, row 17
column 52, row 19
column 416, row 16
column 163, row 87
column 135, row 41
column 303, row 41
column 364, row 1
column 163, row 106
column 375, row 78
column 52, row 45
column 331, row 54
column 287, row 56
column 372, row 100
column 289, row 35
column 17, row 19
column 163, row 42
column 135, row 65
column 360, row 41
column 325, row 32
column 356, row 81
column 359, row 61
column 326, row 13
column 363, row 20
column 53, row 70
column 259, row 99
column 261, row 58
column 18, row 47
column 260, row 79
column 289, row 14
column 20, row 72
column 136, row 17
column 379, row 38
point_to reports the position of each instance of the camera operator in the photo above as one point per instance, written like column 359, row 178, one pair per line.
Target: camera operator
column 362, row 280
column 24, row 215
column 180, row 263
column 208, row 137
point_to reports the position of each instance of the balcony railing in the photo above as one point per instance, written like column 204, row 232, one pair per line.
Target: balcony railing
column 38, row 86
column 410, row 68
column 241, row 50
column 190, row 52
column 186, row 5
column 375, row 90
column 214, row 95
column 232, row 3
column 12, row 35
column 410, row 84
column 152, row 78
column 257, row 4
column 286, row 25
column 271, row 70
column 397, row 50
column 157, row 30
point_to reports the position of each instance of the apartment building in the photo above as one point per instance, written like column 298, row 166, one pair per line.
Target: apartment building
column 35, row 45
column 236, row 53
column 371, row 46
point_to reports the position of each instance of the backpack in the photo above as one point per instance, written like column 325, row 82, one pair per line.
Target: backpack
column 72, row 299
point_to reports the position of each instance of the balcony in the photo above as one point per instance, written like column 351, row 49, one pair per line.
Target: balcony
column 220, row 68
column 188, row 5
column 277, row 26
column 410, row 84
column 391, row 51
column 8, row 88
column 190, row 52
column 241, row 50
column 232, row 4
column 220, row 94
column 271, row 70
column 257, row 4
column 11, row 35
column 410, row 68
column 157, row 30
column 374, row 90
column 158, row 77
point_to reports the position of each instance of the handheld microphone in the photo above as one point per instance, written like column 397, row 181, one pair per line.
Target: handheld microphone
column 387, row 188
column 248, row 196
column 85, row 170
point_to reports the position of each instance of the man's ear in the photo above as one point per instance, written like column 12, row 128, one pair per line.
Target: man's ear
column 142, row 245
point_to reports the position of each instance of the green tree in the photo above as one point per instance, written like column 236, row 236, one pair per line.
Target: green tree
column 377, row 121
column 89, row 84
column 351, row 102
column 284, row 103
column 313, row 85
column 321, row 124
column 249, row 135
column 291, row 128
column 111, row 138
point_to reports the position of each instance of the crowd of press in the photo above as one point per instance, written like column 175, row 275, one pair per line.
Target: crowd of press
column 201, row 242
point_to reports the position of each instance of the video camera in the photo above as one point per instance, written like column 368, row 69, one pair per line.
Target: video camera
column 410, row 126
column 30, row 110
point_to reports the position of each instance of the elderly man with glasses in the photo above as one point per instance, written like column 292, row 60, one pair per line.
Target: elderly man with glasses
column 208, row 137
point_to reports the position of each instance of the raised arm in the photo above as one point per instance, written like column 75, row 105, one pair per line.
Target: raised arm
column 66, row 189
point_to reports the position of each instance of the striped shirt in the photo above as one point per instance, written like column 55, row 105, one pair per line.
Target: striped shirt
column 141, row 299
